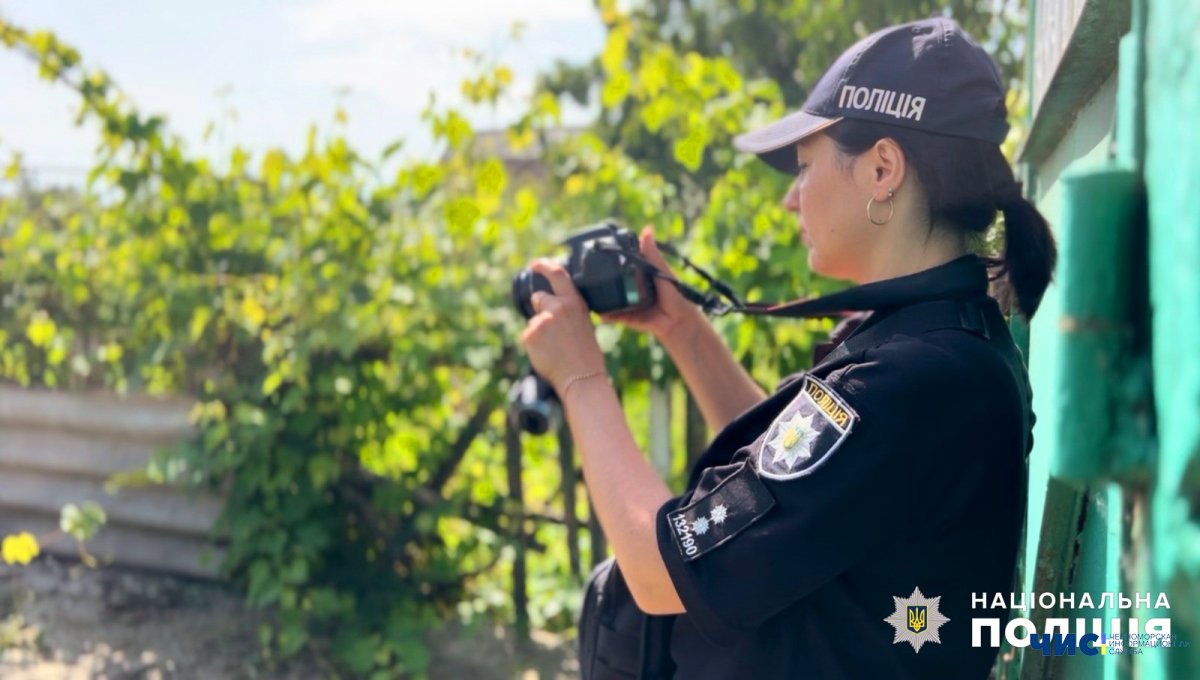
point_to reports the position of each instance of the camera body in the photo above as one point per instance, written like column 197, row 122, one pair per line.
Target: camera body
column 604, row 268
column 601, row 267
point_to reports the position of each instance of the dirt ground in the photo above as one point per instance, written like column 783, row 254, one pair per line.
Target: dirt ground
column 60, row 620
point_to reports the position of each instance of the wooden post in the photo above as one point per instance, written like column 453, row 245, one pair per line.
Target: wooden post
column 516, row 494
column 566, row 459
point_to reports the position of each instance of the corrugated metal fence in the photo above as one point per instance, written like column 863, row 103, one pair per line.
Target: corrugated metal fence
column 58, row 448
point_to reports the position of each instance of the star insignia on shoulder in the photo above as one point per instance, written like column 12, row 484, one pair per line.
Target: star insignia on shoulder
column 718, row 514
column 917, row 619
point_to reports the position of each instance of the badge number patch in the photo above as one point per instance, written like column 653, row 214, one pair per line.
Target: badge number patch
column 806, row 433
column 717, row 517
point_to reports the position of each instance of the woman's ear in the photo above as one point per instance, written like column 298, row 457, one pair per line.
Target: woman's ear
column 888, row 167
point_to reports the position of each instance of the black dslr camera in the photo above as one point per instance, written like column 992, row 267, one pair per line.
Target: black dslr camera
column 606, row 266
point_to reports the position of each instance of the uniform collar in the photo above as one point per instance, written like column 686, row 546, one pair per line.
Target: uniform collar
column 964, row 276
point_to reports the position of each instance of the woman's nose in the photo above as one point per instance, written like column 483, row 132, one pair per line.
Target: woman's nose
column 791, row 200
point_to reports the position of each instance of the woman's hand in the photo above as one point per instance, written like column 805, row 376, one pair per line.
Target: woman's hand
column 672, row 313
column 560, row 339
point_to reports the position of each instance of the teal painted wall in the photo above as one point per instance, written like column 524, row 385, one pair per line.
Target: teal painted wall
column 1096, row 566
column 1172, row 171
column 1086, row 145
column 1131, row 523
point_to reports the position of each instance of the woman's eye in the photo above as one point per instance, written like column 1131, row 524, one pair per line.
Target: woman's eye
column 801, row 168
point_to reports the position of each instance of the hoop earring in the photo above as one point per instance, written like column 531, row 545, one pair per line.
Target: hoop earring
column 891, row 209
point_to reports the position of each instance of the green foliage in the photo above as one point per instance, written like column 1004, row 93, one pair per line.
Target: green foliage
column 349, row 339
column 348, row 342
column 81, row 522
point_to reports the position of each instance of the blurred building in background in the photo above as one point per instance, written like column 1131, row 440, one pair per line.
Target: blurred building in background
column 525, row 165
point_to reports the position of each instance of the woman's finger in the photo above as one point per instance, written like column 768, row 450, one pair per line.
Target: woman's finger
column 556, row 274
column 541, row 301
column 650, row 249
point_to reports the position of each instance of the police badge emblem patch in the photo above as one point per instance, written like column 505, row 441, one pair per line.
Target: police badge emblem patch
column 806, row 433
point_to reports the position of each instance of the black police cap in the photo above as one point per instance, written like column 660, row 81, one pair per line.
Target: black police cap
column 927, row 75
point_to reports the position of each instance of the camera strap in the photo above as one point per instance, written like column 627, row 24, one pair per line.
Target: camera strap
column 870, row 296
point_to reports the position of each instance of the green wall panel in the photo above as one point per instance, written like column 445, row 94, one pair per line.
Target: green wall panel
column 1172, row 171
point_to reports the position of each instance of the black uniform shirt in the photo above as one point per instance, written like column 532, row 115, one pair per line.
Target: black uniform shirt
column 893, row 469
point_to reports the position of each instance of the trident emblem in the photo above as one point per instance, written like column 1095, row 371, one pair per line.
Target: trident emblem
column 916, row 618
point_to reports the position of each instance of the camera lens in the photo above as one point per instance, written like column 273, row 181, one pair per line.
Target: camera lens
column 533, row 420
column 533, row 406
column 524, row 284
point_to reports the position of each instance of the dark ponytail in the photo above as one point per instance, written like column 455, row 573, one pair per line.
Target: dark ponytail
column 1029, row 254
column 966, row 181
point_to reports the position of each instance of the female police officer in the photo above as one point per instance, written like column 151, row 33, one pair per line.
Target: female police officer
column 838, row 527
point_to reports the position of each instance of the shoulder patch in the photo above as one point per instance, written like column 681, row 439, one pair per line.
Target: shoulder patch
column 806, row 433
column 708, row 522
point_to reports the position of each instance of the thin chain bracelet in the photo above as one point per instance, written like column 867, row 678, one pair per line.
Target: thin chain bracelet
column 576, row 378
